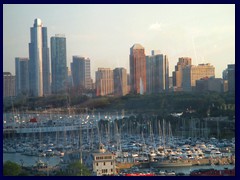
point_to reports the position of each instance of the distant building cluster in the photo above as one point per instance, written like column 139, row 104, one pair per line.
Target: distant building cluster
column 42, row 73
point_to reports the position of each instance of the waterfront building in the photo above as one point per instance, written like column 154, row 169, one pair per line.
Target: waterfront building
column 157, row 72
column 137, row 69
column 39, row 67
column 177, row 74
column 59, row 63
column 8, row 84
column 104, row 82
column 120, row 81
column 22, row 75
column 231, row 77
column 192, row 73
column 103, row 164
column 99, row 161
column 81, row 72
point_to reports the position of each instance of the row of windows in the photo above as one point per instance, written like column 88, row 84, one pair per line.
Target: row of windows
column 105, row 170
column 104, row 163
column 103, row 157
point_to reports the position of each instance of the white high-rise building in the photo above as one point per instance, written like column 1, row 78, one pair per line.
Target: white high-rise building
column 39, row 68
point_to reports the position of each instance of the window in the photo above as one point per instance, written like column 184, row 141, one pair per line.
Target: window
column 97, row 164
column 104, row 163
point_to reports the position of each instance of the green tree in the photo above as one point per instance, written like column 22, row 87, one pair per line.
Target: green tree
column 11, row 169
column 78, row 169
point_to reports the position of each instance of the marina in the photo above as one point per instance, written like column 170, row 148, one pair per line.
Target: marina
column 53, row 144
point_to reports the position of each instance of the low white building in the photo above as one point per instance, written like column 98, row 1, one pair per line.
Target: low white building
column 99, row 161
column 103, row 164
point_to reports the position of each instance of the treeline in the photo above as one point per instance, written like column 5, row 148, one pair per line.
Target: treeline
column 73, row 169
column 200, row 104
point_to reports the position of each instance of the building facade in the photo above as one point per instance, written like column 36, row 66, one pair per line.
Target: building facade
column 59, row 64
column 104, row 82
column 225, row 74
column 231, row 77
column 81, row 72
column 39, row 67
column 177, row 74
column 120, row 81
column 137, row 69
column 210, row 84
column 8, row 84
column 157, row 72
column 192, row 73
column 103, row 164
column 22, row 75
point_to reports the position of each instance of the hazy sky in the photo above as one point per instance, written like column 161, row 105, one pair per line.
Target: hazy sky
column 105, row 33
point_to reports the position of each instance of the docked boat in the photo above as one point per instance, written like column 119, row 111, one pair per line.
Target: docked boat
column 140, row 174
column 213, row 172
column 170, row 163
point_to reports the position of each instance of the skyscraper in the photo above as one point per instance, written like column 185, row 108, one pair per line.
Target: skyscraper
column 22, row 75
column 39, row 67
column 137, row 69
column 120, row 81
column 104, row 82
column 157, row 73
column 192, row 73
column 177, row 74
column 231, row 77
column 59, row 64
column 81, row 72
column 8, row 84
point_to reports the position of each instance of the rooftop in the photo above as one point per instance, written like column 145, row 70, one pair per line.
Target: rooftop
column 137, row 46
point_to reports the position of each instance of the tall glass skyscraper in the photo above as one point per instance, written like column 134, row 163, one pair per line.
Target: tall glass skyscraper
column 157, row 73
column 104, row 82
column 177, row 74
column 81, row 72
column 22, row 75
column 120, row 81
column 137, row 69
column 59, row 64
column 39, row 69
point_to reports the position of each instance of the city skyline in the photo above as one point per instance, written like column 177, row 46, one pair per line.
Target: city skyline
column 104, row 33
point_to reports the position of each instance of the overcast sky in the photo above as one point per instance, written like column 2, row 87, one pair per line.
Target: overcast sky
column 105, row 33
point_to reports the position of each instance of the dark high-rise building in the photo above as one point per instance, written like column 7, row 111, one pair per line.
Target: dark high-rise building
column 39, row 67
column 170, row 82
column 59, row 64
column 157, row 73
column 81, row 72
column 231, row 77
column 177, row 74
column 210, row 84
column 225, row 74
column 137, row 69
column 120, row 81
column 8, row 84
column 22, row 75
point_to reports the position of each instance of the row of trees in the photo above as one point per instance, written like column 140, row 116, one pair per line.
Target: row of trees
column 165, row 103
column 74, row 169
